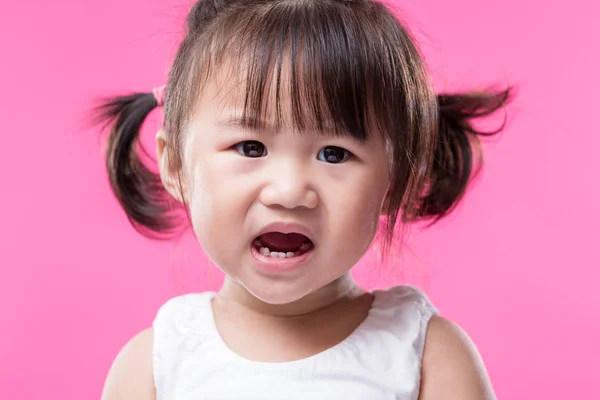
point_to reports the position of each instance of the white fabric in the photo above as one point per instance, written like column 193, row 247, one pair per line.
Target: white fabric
column 380, row 360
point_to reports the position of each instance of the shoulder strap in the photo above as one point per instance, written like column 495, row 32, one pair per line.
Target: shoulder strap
column 406, row 310
column 176, row 321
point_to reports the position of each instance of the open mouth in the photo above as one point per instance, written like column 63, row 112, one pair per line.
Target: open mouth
column 282, row 245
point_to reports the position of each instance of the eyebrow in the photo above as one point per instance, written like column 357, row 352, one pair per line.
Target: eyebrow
column 248, row 123
column 257, row 125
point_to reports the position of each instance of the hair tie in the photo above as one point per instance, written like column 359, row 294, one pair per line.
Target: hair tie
column 159, row 95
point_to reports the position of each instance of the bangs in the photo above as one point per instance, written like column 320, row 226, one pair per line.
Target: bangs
column 306, row 67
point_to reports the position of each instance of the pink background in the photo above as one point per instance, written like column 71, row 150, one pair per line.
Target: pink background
column 517, row 264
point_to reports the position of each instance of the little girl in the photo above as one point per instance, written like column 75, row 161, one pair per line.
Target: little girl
column 296, row 134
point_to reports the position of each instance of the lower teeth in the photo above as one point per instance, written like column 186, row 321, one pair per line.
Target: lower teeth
column 276, row 254
column 265, row 251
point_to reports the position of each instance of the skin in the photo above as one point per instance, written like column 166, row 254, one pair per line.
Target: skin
column 232, row 197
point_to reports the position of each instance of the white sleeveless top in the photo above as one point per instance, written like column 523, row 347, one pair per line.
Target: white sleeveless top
column 380, row 360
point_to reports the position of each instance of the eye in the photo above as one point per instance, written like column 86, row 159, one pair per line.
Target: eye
column 333, row 155
column 251, row 149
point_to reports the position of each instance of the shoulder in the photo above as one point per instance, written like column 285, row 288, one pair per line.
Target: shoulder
column 131, row 376
column 452, row 367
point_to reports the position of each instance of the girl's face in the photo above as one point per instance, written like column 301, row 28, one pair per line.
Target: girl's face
column 243, row 185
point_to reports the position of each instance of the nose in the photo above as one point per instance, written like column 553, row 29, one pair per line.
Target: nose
column 289, row 186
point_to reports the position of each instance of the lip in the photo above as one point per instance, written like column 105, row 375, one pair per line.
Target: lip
column 287, row 227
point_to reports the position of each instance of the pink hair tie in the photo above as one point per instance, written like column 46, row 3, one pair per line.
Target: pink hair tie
column 159, row 95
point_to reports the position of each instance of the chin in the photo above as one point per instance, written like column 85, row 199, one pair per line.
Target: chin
column 278, row 293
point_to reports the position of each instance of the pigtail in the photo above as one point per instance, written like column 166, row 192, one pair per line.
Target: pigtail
column 138, row 189
column 457, row 156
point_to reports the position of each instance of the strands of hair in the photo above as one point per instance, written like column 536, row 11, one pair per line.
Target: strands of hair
column 347, row 68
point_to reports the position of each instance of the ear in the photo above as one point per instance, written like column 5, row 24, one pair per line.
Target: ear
column 170, row 178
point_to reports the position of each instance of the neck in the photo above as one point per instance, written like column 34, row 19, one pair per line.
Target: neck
column 341, row 290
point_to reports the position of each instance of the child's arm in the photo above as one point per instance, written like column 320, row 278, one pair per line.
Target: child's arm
column 130, row 376
column 452, row 368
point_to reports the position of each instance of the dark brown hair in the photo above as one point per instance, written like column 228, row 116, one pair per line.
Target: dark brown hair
column 349, row 68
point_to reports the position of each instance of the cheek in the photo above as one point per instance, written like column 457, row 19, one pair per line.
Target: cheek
column 354, row 214
column 361, row 195
column 211, row 206
column 359, row 217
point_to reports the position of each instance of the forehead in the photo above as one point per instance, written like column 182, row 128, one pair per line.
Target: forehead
column 269, row 96
column 280, row 95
